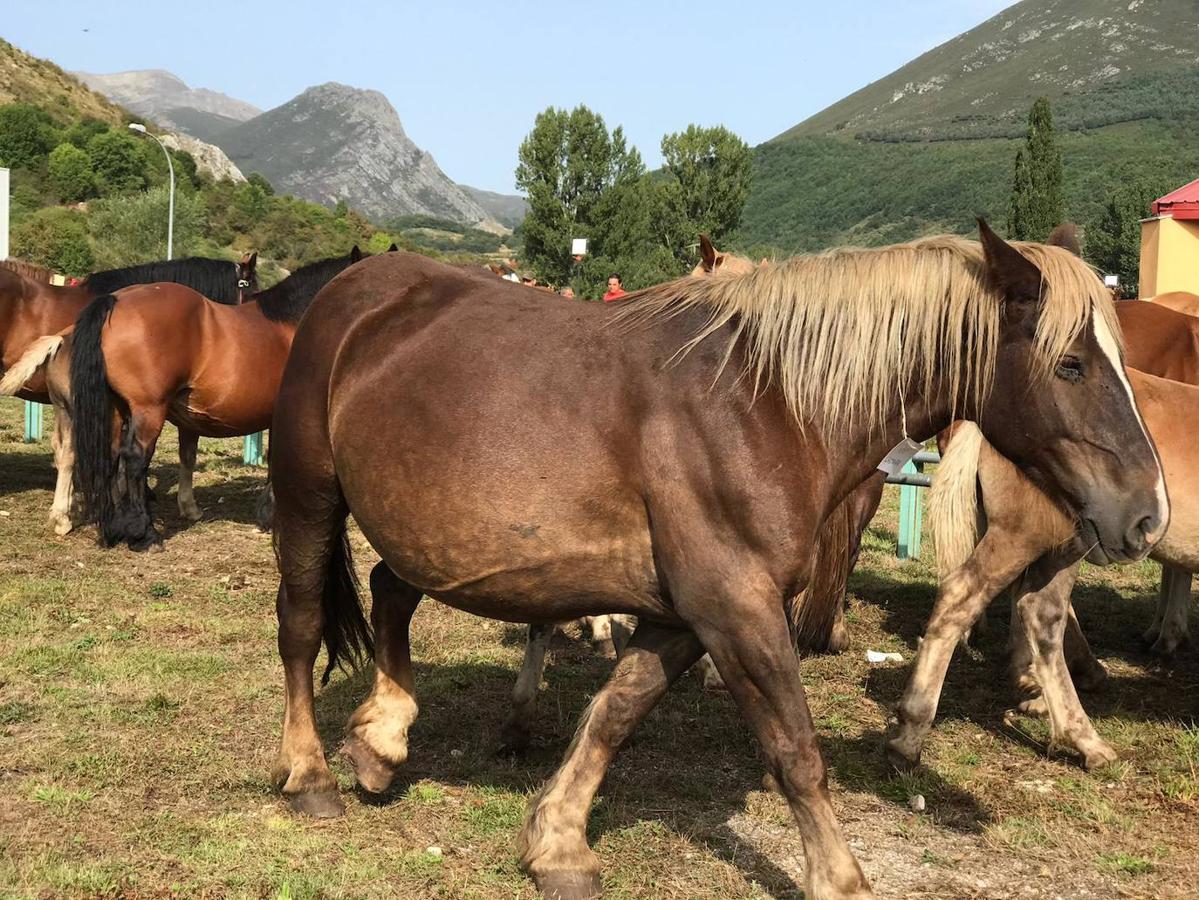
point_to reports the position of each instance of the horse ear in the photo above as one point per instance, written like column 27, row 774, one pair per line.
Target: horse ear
column 1010, row 271
column 707, row 253
column 393, row 248
column 252, row 262
column 1066, row 236
column 355, row 254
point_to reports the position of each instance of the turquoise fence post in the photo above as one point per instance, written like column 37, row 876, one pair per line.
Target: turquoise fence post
column 910, row 517
column 252, row 449
column 33, row 422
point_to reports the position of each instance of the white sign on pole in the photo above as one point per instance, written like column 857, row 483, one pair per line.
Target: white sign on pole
column 3, row 213
column 578, row 247
column 1111, row 280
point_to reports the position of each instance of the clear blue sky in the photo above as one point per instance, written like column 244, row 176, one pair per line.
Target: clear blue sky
column 468, row 78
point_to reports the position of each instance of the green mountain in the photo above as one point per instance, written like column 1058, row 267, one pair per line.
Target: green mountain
column 932, row 144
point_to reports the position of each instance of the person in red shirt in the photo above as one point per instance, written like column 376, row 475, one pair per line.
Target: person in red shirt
column 615, row 289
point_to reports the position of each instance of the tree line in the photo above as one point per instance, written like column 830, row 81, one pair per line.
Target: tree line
column 584, row 181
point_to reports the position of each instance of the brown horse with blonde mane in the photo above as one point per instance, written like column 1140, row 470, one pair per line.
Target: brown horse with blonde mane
column 162, row 352
column 1180, row 301
column 671, row 457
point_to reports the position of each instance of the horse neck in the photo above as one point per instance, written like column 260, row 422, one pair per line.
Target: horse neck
column 251, row 311
column 864, row 447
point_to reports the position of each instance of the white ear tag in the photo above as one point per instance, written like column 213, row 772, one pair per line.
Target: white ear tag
column 901, row 454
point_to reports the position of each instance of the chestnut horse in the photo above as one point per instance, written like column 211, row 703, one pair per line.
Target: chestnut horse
column 673, row 457
column 161, row 352
column 1179, row 301
column 1022, row 531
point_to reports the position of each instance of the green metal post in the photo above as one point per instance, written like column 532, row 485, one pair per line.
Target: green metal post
column 910, row 517
column 33, row 422
column 252, row 449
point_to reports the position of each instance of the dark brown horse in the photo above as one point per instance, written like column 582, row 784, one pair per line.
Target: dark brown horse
column 672, row 457
column 161, row 352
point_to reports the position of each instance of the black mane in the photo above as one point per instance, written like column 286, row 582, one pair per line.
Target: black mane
column 286, row 301
column 216, row 279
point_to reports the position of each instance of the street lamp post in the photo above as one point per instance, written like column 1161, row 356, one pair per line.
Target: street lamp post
column 141, row 129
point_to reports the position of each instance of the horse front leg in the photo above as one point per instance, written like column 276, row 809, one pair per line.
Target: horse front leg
column 1169, row 630
column 553, row 842
column 749, row 640
column 516, row 732
column 189, row 442
column 962, row 597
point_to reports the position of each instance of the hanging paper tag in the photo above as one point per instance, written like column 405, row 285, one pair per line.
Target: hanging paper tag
column 901, row 454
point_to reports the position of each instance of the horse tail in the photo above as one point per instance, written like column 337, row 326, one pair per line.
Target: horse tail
column 347, row 634
column 39, row 353
column 814, row 611
column 953, row 498
column 92, row 411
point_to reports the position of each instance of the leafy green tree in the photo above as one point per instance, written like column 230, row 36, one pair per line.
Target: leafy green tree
column 83, row 131
column 707, row 178
column 133, row 228
column 119, row 163
column 1036, row 206
column 259, row 180
column 578, row 177
column 1113, row 242
column 70, row 173
column 26, row 135
column 56, row 237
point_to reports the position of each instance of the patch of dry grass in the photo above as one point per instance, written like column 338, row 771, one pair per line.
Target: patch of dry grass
column 140, row 704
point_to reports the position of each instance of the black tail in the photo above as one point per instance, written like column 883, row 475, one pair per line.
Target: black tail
column 92, row 409
column 347, row 634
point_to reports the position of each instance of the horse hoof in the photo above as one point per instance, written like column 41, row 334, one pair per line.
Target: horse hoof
column 838, row 639
column 605, row 647
column 1035, row 707
column 1091, row 679
column 1167, row 644
column 1097, row 757
column 191, row 515
column 373, row 772
column 317, row 804
column 151, row 543
column 771, row 785
column 569, row 885
column 900, row 758
column 514, row 740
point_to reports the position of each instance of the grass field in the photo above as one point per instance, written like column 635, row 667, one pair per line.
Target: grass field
column 140, row 710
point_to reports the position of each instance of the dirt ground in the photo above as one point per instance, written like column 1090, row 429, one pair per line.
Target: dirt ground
column 140, row 709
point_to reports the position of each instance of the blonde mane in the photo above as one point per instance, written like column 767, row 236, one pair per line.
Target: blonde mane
column 842, row 332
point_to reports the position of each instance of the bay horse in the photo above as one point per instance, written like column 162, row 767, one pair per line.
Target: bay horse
column 29, row 270
column 672, row 457
column 161, row 352
column 993, row 526
column 30, row 309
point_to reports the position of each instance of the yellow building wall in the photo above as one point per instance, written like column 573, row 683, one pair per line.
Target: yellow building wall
column 1169, row 256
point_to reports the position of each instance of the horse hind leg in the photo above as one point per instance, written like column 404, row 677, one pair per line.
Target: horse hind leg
column 553, row 842
column 377, row 733
column 129, row 518
column 1045, row 613
column 62, row 512
column 189, row 443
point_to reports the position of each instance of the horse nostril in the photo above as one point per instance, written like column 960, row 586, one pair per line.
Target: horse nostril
column 1149, row 526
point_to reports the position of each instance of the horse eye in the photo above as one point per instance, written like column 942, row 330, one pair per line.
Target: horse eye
column 1069, row 369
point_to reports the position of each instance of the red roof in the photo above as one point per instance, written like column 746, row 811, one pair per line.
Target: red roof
column 1181, row 204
